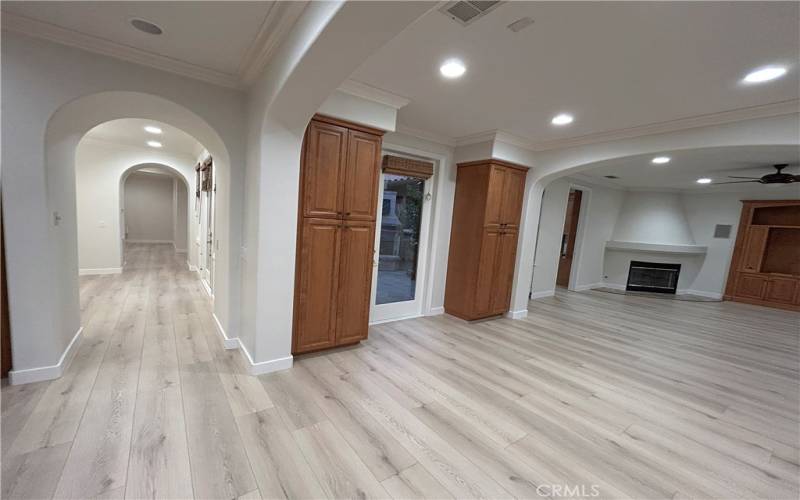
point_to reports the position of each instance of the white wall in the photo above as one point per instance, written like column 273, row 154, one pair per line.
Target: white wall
column 100, row 168
column 600, row 207
column 53, row 94
column 149, row 208
column 181, row 218
column 609, row 214
column 653, row 217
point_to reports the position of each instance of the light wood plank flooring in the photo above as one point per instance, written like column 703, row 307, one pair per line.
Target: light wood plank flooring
column 594, row 394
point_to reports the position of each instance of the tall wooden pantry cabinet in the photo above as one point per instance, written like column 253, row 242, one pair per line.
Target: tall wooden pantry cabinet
column 483, row 238
column 340, row 168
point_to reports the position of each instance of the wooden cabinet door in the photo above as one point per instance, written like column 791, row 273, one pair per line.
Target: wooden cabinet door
column 318, row 268
column 361, row 176
column 324, row 158
column 750, row 286
column 513, row 192
column 487, row 272
column 781, row 290
column 494, row 196
column 355, row 281
column 753, row 251
column 504, row 270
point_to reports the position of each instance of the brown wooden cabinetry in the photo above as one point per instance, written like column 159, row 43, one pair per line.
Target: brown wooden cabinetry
column 336, row 234
column 765, row 268
column 483, row 238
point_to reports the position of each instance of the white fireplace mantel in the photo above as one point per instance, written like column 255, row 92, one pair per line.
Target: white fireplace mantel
column 638, row 246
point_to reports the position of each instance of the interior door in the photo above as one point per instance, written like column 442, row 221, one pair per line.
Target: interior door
column 355, row 279
column 568, row 236
column 401, row 243
column 324, row 159
column 361, row 176
column 318, row 282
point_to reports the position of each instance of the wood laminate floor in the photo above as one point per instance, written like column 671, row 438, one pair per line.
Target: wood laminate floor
column 593, row 395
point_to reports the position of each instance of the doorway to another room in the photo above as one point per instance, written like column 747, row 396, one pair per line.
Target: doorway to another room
column 401, row 243
column 568, row 237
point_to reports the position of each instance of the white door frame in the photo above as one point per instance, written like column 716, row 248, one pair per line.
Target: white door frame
column 421, row 304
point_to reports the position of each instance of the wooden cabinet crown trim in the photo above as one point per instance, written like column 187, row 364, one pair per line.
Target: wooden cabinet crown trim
column 344, row 123
column 494, row 161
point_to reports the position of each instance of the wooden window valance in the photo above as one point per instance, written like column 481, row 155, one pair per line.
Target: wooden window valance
column 406, row 166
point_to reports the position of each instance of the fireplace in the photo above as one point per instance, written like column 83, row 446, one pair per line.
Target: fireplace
column 653, row 277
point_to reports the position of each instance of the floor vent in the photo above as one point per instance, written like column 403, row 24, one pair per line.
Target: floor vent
column 467, row 12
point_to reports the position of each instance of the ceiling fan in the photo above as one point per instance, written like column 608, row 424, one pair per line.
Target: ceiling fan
column 776, row 178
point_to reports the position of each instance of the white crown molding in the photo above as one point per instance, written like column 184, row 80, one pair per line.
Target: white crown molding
column 280, row 19
column 370, row 93
column 467, row 140
column 734, row 115
column 425, row 135
column 53, row 33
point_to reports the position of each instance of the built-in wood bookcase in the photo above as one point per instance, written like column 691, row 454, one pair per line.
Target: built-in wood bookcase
column 340, row 168
column 765, row 268
column 483, row 238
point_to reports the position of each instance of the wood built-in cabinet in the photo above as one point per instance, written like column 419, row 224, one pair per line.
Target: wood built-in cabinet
column 765, row 268
column 340, row 166
column 483, row 238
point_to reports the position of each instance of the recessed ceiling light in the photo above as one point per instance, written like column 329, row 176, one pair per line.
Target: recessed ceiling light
column 452, row 68
column 704, row 180
column 146, row 26
column 153, row 130
column 660, row 160
column 765, row 74
column 154, row 144
column 562, row 119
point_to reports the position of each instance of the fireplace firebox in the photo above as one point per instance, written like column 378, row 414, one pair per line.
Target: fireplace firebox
column 653, row 277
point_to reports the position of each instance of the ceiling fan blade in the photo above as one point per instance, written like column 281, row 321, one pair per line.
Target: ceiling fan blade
column 732, row 182
column 738, row 177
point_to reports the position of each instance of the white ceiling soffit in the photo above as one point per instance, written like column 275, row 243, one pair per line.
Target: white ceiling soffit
column 278, row 21
column 754, row 112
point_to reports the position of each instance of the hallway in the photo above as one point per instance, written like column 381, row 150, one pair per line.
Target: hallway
column 150, row 391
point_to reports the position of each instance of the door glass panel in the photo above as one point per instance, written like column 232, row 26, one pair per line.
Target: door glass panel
column 401, row 214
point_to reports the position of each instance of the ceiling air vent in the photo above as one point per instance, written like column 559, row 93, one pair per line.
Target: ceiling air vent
column 466, row 13
column 611, row 177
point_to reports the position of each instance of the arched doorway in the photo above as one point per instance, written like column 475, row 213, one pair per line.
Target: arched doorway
column 57, row 321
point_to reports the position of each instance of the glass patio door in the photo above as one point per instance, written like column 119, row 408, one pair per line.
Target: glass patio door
column 401, row 239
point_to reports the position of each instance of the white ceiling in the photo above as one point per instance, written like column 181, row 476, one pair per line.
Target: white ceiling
column 614, row 65
column 209, row 40
column 130, row 132
column 685, row 167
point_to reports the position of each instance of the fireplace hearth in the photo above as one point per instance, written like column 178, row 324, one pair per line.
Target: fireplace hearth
column 653, row 277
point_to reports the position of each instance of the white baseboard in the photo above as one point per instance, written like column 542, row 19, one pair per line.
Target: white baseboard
column 30, row 375
column 522, row 313
column 206, row 288
column 253, row 368
column 541, row 295
column 227, row 342
column 102, row 270
column 581, row 288
column 614, row 286
column 700, row 293
column 435, row 311
column 180, row 250
column 191, row 267
column 150, row 241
